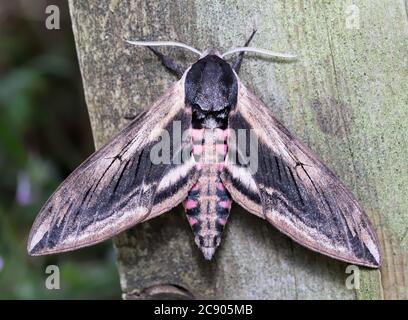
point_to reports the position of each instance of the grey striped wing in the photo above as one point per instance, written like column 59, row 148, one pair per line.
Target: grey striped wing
column 294, row 191
column 118, row 186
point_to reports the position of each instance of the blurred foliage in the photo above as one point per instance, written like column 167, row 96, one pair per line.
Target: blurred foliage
column 44, row 135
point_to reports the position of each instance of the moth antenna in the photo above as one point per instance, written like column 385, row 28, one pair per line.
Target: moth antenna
column 261, row 51
column 164, row 43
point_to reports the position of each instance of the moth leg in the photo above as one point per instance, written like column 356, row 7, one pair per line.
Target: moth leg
column 237, row 64
column 169, row 63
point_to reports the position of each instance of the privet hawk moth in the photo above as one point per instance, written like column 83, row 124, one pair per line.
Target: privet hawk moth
column 120, row 185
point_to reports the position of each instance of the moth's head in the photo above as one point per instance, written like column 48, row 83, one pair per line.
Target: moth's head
column 211, row 83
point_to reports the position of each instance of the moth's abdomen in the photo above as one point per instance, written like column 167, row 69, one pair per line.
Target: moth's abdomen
column 208, row 203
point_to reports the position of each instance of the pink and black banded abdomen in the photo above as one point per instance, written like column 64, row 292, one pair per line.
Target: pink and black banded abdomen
column 208, row 203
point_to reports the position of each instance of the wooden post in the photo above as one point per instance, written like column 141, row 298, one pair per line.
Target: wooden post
column 346, row 98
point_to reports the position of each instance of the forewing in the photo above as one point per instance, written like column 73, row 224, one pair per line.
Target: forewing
column 119, row 185
column 293, row 190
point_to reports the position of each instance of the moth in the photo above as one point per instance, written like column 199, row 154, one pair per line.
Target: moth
column 120, row 185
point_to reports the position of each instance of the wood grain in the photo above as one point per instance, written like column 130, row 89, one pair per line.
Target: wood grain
column 345, row 97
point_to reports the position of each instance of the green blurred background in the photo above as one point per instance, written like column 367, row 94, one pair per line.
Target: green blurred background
column 44, row 135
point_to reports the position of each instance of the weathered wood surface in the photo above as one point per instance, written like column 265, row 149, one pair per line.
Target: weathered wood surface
column 346, row 98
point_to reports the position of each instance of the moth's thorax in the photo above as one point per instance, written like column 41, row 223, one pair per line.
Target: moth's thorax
column 211, row 89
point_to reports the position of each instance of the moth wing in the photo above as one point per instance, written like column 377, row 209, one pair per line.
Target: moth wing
column 119, row 186
column 292, row 189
